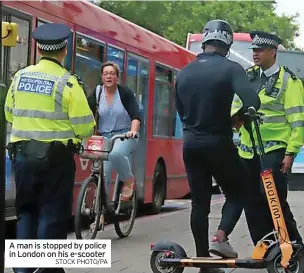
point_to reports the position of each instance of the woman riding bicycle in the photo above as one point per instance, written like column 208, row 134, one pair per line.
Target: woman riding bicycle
column 118, row 113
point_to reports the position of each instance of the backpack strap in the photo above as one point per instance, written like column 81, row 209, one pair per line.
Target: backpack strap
column 98, row 94
column 98, row 91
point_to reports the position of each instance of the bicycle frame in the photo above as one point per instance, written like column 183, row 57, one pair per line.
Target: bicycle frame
column 98, row 169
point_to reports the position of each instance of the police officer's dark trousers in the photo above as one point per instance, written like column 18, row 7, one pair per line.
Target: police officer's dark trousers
column 44, row 196
column 257, row 210
column 217, row 158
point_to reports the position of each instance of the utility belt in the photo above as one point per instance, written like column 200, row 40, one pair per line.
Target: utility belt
column 53, row 152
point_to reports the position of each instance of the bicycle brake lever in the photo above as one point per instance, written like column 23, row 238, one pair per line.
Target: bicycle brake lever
column 81, row 149
column 127, row 137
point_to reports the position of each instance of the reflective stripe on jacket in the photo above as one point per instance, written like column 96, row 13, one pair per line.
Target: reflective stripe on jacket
column 45, row 102
column 283, row 120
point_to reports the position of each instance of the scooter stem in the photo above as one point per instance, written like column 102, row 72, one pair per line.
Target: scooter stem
column 254, row 118
column 273, row 198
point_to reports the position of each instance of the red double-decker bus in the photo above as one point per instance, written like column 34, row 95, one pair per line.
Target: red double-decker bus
column 148, row 65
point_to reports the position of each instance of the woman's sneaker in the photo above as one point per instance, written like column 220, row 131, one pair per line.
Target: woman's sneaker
column 222, row 249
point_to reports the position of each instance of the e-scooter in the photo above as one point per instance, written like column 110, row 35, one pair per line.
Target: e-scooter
column 273, row 254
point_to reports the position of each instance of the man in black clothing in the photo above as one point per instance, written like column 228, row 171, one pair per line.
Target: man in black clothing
column 204, row 94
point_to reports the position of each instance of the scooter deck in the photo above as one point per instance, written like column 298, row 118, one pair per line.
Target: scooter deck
column 213, row 262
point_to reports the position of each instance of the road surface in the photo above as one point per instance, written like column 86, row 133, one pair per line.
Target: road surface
column 132, row 254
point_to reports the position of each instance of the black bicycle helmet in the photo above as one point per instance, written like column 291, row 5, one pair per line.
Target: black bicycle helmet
column 218, row 30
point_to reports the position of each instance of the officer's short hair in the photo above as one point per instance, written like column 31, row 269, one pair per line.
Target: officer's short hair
column 114, row 65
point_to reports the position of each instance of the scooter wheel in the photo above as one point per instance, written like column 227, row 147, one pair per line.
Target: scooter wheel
column 156, row 268
column 296, row 265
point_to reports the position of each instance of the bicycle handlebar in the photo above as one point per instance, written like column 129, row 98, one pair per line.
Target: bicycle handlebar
column 115, row 137
column 107, row 145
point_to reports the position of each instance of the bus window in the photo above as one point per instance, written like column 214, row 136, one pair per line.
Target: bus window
column 19, row 56
column 162, row 96
column 137, row 80
column 117, row 56
column 132, row 73
column 89, row 56
column 67, row 63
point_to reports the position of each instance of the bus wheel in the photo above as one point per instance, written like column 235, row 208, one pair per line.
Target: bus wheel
column 159, row 188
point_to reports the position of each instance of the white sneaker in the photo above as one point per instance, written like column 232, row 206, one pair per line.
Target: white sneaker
column 224, row 249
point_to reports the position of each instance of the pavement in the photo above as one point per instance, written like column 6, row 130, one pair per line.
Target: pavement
column 132, row 254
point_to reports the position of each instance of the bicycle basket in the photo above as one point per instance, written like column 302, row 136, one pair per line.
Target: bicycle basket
column 96, row 148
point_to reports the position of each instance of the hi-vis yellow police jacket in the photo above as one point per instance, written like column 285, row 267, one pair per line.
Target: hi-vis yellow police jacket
column 282, row 103
column 45, row 102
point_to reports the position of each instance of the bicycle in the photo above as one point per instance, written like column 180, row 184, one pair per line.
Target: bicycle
column 97, row 149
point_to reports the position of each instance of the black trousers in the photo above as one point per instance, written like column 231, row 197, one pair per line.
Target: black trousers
column 221, row 161
column 44, row 196
column 257, row 212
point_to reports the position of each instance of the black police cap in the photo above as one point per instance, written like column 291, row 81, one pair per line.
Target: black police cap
column 51, row 36
column 262, row 39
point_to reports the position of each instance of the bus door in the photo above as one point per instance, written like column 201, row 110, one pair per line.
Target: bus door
column 138, row 80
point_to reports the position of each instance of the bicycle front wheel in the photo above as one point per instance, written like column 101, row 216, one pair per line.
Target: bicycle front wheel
column 87, row 220
column 124, row 228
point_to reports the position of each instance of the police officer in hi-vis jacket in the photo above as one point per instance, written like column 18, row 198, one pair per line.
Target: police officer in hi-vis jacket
column 282, row 103
column 49, row 115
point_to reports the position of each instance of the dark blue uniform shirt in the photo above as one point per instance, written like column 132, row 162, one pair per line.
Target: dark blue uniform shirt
column 204, row 94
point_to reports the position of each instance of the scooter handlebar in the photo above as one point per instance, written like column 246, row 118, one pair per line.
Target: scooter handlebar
column 252, row 111
column 256, row 118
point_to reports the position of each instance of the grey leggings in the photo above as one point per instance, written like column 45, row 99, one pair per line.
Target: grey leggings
column 120, row 159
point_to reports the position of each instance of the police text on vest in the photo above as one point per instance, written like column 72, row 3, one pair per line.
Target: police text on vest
column 38, row 86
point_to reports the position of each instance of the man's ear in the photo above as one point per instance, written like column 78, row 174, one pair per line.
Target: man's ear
column 273, row 52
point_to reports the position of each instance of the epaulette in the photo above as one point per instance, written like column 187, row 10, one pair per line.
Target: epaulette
column 252, row 72
column 254, row 67
column 292, row 75
column 78, row 79
column 80, row 82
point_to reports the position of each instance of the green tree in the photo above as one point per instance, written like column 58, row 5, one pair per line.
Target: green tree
column 174, row 19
